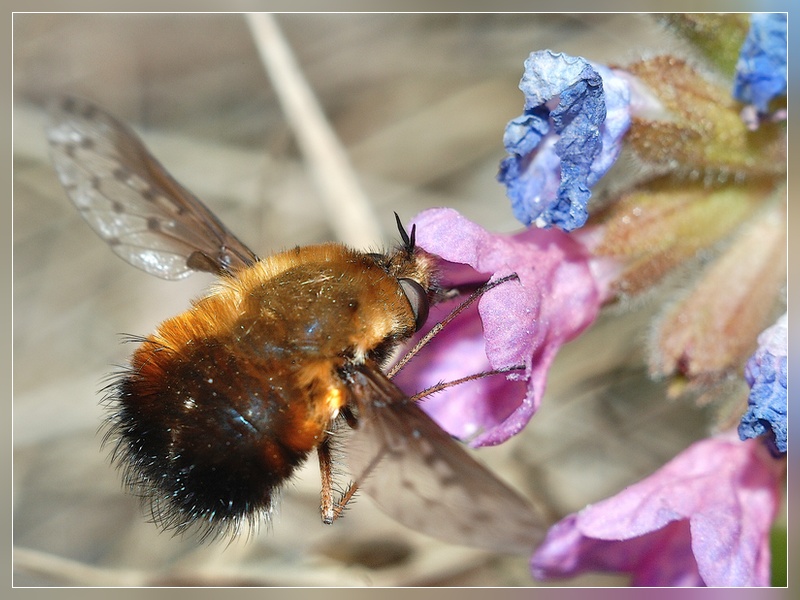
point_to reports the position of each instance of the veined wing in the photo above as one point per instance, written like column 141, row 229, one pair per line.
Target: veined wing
column 132, row 202
column 426, row 480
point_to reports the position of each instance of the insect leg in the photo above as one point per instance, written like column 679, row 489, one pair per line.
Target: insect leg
column 327, row 505
column 442, row 324
column 330, row 508
column 351, row 490
column 444, row 385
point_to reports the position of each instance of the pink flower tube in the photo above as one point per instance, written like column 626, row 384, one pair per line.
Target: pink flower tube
column 525, row 322
column 702, row 519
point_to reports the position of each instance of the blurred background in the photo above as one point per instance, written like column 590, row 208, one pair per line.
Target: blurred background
column 419, row 103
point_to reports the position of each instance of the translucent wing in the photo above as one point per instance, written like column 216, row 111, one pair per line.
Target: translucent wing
column 130, row 200
column 424, row 479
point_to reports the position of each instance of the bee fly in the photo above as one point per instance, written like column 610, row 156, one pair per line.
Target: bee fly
column 221, row 404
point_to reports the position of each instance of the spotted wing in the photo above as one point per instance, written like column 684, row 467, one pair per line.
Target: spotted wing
column 130, row 200
column 426, row 480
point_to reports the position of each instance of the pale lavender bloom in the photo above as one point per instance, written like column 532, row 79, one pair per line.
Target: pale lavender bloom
column 702, row 519
column 569, row 135
column 523, row 322
column 766, row 373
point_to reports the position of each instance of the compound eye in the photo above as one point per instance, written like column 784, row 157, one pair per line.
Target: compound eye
column 418, row 299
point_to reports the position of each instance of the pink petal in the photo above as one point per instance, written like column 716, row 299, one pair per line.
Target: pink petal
column 524, row 322
column 725, row 490
column 659, row 558
column 457, row 351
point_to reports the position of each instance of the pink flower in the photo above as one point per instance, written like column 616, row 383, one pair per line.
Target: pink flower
column 521, row 322
column 702, row 519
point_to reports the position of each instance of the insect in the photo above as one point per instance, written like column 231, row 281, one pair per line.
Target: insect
column 284, row 355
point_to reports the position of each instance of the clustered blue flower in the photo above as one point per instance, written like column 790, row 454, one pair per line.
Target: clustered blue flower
column 558, row 153
column 696, row 521
column 761, row 69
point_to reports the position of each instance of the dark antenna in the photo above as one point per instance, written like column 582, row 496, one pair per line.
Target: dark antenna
column 408, row 242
